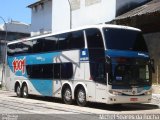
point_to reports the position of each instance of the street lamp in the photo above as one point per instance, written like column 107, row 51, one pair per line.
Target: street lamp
column 70, row 7
column 5, row 49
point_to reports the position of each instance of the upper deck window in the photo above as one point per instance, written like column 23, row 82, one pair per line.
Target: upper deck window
column 122, row 39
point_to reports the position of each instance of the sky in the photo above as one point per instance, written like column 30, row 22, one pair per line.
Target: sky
column 16, row 10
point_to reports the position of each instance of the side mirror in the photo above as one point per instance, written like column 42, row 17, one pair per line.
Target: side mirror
column 152, row 65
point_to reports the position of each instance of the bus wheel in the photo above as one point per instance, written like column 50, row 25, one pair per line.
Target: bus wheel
column 81, row 97
column 25, row 91
column 67, row 95
column 18, row 91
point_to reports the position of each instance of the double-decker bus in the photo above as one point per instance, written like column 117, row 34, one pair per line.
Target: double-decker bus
column 99, row 63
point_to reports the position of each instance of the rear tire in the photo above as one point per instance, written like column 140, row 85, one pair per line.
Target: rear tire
column 67, row 96
column 18, row 91
column 81, row 97
column 25, row 91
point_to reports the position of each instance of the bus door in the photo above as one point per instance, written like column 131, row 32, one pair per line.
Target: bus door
column 97, row 63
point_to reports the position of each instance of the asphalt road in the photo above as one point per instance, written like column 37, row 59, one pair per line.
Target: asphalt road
column 47, row 108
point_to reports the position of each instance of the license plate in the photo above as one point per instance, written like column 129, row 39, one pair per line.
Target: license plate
column 133, row 99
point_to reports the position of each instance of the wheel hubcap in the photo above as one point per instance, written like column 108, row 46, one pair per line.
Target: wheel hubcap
column 81, row 97
column 18, row 90
column 68, row 95
column 25, row 91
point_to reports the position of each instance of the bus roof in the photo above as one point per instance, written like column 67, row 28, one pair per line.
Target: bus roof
column 80, row 28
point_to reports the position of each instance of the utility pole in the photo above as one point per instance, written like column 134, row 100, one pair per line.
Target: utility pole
column 70, row 6
column 4, row 57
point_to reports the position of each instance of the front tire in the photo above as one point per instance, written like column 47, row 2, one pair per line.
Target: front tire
column 67, row 96
column 25, row 91
column 81, row 97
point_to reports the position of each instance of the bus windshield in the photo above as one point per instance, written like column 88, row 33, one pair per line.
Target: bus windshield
column 134, row 72
column 124, row 39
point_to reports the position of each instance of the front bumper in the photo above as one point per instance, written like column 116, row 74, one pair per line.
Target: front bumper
column 120, row 99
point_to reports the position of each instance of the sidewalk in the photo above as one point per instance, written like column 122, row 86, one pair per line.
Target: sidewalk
column 156, row 89
column 155, row 99
column 156, row 94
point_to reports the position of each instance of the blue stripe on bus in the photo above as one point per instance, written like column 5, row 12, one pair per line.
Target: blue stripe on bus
column 32, row 59
column 36, row 58
column 121, row 53
column 44, row 87
column 42, row 58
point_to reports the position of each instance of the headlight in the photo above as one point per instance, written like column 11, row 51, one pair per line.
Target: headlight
column 148, row 92
column 115, row 92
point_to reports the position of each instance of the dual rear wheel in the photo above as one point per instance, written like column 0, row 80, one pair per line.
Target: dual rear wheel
column 22, row 92
column 80, row 96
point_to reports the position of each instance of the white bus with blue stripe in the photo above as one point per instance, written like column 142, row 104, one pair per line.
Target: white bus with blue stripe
column 100, row 63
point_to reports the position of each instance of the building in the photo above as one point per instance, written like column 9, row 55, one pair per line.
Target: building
column 52, row 16
column 41, row 19
column 147, row 18
column 11, row 31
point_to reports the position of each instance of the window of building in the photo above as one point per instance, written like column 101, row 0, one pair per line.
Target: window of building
column 41, row 6
column 75, row 4
column 35, row 8
column 91, row 2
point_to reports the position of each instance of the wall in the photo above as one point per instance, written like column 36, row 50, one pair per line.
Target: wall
column 94, row 13
column 153, row 43
column 83, row 12
column 42, row 19
column 87, row 12
column 60, row 15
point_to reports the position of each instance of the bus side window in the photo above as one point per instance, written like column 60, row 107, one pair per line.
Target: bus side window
column 50, row 43
column 48, row 71
column 94, row 39
column 11, row 50
column 27, row 46
column 44, row 71
column 98, row 72
column 63, row 41
column 56, row 71
column 37, row 45
column 96, row 54
column 66, row 70
column 35, row 71
column 95, row 45
column 63, row 70
column 76, row 40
